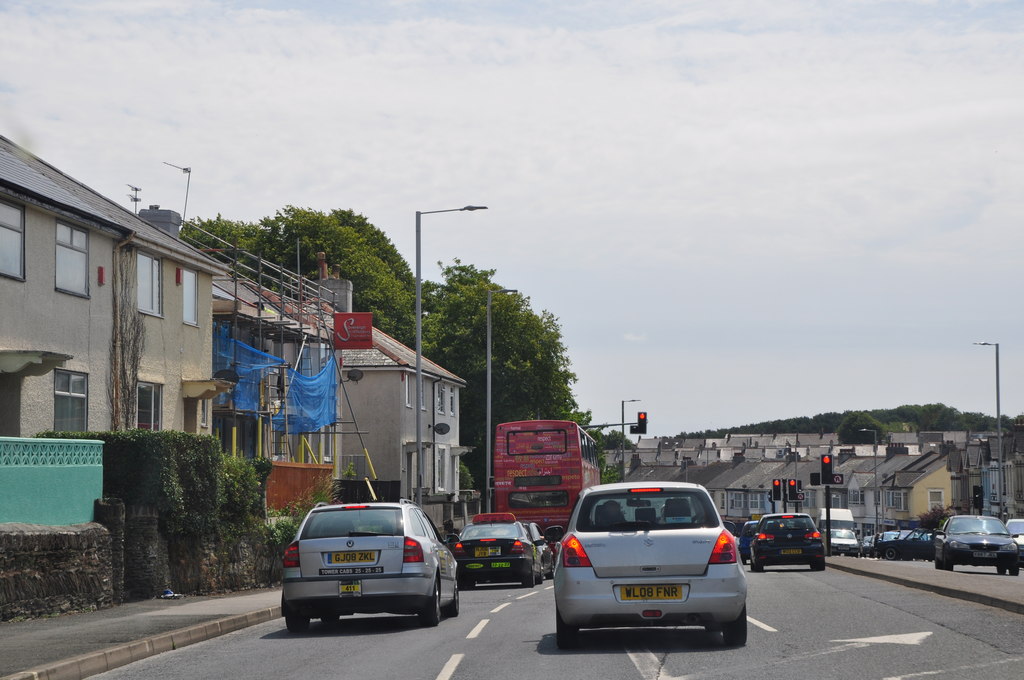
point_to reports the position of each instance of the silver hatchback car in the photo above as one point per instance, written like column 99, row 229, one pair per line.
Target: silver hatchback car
column 651, row 554
column 368, row 558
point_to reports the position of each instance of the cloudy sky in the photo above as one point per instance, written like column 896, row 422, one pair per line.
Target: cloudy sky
column 738, row 211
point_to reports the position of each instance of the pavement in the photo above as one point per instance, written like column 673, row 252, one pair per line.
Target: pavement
column 75, row 646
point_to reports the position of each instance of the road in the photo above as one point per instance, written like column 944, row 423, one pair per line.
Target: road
column 803, row 624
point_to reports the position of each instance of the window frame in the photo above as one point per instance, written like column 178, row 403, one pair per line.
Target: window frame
column 189, row 280
column 72, row 254
column 155, row 406
column 154, row 274
column 60, row 396
column 19, row 231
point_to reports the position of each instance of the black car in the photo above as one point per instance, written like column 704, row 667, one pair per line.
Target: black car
column 787, row 538
column 495, row 548
column 544, row 551
column 976, row 540
column 916, row 545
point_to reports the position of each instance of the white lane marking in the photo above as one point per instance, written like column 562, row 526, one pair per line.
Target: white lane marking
column 499, row 608
column 955, row 672
column 761, row 625
column 479, row 627
column 647, row 664
column 449, row 668
column 907, row 639
column 529, row 594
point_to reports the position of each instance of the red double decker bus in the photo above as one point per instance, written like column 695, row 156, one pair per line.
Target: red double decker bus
column 540, row 467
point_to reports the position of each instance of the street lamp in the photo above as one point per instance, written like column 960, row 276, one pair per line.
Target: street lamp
column 419, row 349
column 488, row 503
column 874, row 437
column 999, row 435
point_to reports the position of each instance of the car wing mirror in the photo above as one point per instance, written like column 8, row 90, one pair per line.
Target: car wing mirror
column 554, row 533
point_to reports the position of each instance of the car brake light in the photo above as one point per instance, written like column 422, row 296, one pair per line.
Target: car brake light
column 355, row 507
column 291, row 556
column 766, row 537
column 725, row 549
column 645, row 490
column 573, row 553
column 413, row 551
column 517, row 548
column 459, row 549
column 813, row 534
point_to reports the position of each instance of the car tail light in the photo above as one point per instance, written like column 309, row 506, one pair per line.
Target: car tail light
column 765, row 537
column 516, row 548
column 725, row 549
column 413, row 551
column 812, row 534
column 291, row 556
column 459, row 550
column 573, row 553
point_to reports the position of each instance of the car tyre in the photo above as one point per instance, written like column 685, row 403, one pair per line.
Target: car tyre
column 755, row 566
column 818, row 565
column 734, row 633
column 947, row 562
column 1001, row 570
column 529, row 580
column 1015, row 570
column 566, row 636
column 430, row 615
column 296, row 624
column 891, row 554
column 451, row 610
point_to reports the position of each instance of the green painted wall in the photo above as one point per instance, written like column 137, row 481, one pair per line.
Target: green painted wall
column 49, row 481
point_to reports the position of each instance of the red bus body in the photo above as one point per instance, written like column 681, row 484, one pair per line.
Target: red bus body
column 540, row 466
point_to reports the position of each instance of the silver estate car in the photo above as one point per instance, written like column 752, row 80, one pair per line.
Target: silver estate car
column 651, row 554
column 367, row 558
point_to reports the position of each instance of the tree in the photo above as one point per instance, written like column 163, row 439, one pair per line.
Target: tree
column 615, row 440
column 933, row 518
column 850, row 430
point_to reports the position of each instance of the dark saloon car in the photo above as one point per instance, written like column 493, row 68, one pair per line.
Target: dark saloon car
column 916, row 545
column 978, row 541
column 495, row 548
column 746, row 536
column 787, row 538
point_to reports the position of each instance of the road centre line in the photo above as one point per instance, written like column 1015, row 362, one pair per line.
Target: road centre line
column 762, row 626
column 499, row 607
column 449, row 668
column 476, row 630
column 529, row 594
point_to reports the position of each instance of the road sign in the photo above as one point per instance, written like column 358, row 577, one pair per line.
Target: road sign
column 837, row 478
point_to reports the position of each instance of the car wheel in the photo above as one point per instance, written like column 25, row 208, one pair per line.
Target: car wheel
column 430, row 615
column 451, row 610
column 818, row 565
column 566, row 636
column 734, row 633
column 891, row 553
column 938, row 563
column 1001, row 570
column 529, row 580
column 1015, row 571
column 296, row 624
column 947, row 562
column 755, row 566
column 743, row 560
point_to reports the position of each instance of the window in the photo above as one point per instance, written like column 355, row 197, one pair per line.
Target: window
column 409, row 379
column 70, row 405
column 189, row 297
column 72, row 259
column 451, row 402
column 12, row 238
column 441, row 397
column 737, row 502
column 936, row 498
column 896, row 499
column 204, row 412
column 149, row 284
column 149, row 406
column 856, row 497
column 441, row 469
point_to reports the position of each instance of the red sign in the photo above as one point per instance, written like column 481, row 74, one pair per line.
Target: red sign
column 353, row 330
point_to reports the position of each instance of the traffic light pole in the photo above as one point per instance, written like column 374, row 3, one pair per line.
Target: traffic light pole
column 828, row 521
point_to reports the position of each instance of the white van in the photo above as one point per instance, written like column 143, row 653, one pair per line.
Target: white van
column 842, row 518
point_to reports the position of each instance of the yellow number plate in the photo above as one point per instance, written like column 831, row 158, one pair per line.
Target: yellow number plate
column 486, row 552
column 350, row 587
column 354, row 557
column 652, row 592
column 792, row 551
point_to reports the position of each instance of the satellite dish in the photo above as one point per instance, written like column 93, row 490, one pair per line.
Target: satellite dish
column 442, row 428
column 354, row 374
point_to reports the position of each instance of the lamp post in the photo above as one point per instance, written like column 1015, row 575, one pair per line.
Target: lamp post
column 999, row 436
column 418, row 407
column 874, row 438
column 488, row 434
column 622, row 442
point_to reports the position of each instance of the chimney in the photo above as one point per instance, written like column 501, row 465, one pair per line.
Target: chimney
column 342, row 288
column 167, row 221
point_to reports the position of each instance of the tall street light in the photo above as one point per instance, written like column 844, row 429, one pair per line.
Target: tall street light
column 874, row 437
column 419, row 349
column 622, row 442
column 488, row 502
column 999, row 435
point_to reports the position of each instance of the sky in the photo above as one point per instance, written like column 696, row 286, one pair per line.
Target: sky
column 737, row 211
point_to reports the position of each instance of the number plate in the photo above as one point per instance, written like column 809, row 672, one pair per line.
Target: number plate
column 352, row 557
column 501, row 564
column 792, row 551
column 350, row 588
column 489, row 551
column 652, row 592
column 984, row 554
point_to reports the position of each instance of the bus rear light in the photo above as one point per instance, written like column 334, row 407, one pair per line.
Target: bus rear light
column 291, row 556
column 413, row 551
column 573, row 553
column 516, row 548
column 725, row 549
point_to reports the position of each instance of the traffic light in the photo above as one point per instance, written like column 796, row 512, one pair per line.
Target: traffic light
column 776, row 489
column 641, row 424
column 826, row 467
column 792, row 490
column 976, row 498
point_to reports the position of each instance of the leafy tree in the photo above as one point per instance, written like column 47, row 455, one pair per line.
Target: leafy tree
column 849, row 430
column 934, row 517
column 615, row 440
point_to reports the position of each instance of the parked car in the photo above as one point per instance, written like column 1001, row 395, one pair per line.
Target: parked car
column 787, row 538
column 976, row 540
column 867, row 546
column 746, row 535
column 915, row 545
column 367, row 558
column 545, row 553
column 497, row 548
column 651, row 554
column 844, row 542
column 1016, row 529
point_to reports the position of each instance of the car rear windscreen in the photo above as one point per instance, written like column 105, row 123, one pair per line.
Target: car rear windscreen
column 355, row 522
